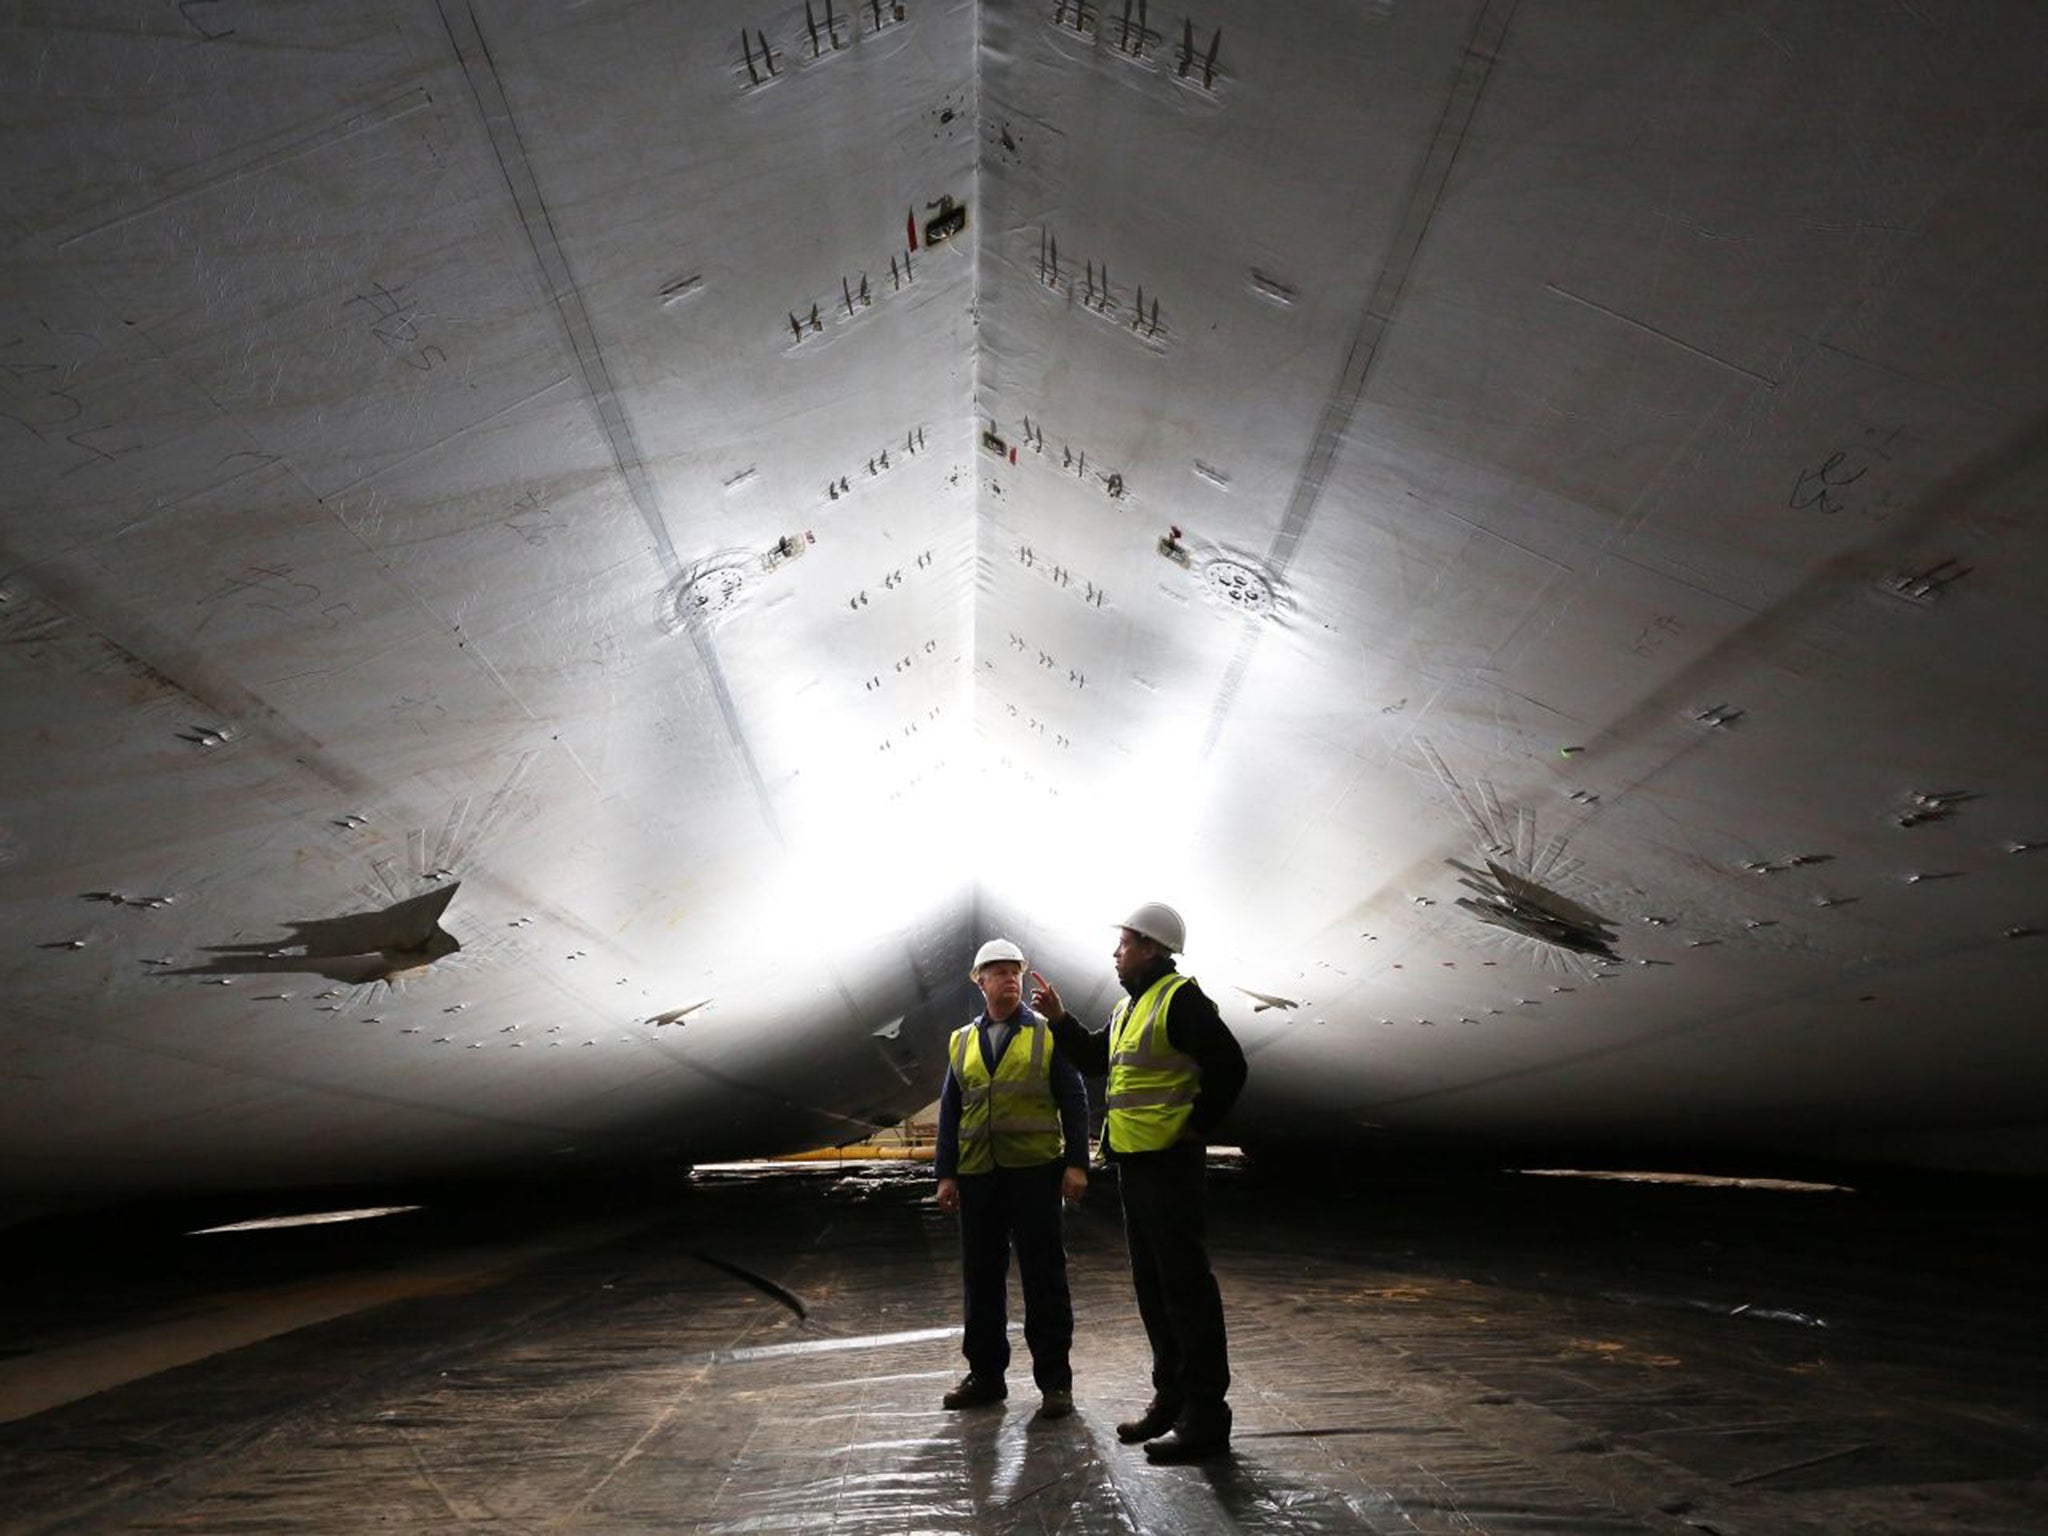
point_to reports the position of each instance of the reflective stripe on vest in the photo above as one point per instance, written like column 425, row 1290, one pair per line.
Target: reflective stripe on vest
column 1151, row 1085
column 1008, row 1119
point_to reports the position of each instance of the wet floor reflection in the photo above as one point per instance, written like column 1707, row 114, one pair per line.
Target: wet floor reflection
column 768, row 1356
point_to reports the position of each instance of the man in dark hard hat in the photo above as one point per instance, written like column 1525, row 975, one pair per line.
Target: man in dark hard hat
column 1013, row 1144
column 1174, row 1071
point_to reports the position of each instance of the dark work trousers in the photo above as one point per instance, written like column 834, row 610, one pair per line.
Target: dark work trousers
column 1020, row 1205
column 1177, row 1295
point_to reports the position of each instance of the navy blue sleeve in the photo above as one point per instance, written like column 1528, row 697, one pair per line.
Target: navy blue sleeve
column 1071, row 1094
column 946, row 1154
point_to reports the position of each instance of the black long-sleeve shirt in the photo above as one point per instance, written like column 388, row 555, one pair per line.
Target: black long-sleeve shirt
column 1193, row 1027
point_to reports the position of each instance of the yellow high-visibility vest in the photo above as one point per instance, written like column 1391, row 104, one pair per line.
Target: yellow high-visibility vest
column 1008, row 1118
column 1151, row 1085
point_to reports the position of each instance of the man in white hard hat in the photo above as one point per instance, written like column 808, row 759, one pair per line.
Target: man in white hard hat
column 1174, row 1071
column 1013, row 1146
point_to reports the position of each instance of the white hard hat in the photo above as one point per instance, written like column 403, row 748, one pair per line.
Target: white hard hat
column 994, row 949
column 1161, row 924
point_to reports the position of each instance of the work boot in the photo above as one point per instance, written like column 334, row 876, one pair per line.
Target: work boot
column 1055, row 1404
column 976, row 1392
column 1155, row 1421
column 1199, row 1434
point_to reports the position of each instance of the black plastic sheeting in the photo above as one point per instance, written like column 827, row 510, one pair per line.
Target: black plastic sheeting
column 766, row 1355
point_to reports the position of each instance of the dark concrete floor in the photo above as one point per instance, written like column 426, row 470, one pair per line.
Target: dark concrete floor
column 764, row 1352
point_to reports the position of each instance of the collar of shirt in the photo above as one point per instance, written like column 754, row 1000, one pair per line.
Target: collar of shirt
column 1164, row 967
column 997, row 1035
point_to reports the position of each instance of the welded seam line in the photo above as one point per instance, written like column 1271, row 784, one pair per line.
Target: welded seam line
column 1663, row 336
column 1417, row 213
column 199, row 180
column 323, row 497
column 474, row 55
